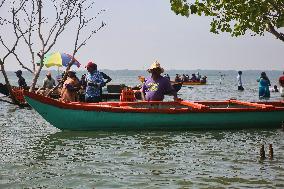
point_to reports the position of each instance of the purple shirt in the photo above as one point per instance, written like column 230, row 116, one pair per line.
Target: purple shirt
column 155, row 90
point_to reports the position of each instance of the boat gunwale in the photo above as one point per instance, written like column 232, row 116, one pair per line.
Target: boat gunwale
column 123, row 107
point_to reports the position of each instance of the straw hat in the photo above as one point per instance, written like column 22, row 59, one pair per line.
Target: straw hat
column 72, row 71
column 156, row 65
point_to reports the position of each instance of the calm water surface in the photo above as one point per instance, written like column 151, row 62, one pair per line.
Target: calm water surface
column 33, row 154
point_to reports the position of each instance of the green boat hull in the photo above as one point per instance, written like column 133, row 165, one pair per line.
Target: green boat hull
column 69, row 119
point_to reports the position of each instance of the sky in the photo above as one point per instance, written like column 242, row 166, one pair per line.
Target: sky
column 139, row 32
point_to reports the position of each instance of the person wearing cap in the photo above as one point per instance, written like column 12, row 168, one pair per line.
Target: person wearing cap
column 239, row 80
column 95, row 82
column 70, row 87
column 48, row 82
column 263, row 86
column 21, row 79
column 156, row 86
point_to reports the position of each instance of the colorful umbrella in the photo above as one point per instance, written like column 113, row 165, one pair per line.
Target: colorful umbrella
column 59, row 59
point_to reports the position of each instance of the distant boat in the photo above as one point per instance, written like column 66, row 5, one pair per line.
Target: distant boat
column 190, row 82
column 229, row 114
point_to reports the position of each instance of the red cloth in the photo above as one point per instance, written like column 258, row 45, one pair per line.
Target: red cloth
column 281, row 81
column 90, row 64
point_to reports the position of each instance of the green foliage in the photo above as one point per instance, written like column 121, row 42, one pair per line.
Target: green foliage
column 235, row 16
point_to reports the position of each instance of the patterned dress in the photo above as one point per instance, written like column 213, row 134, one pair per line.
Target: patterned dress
column 97, row 79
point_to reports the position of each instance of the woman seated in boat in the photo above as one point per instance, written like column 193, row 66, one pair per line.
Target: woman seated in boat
column 184, row 78
column 203, row 79
column 70, row 88
column 193, row 78
column 156, row 86
column 177, row 78
column 48, row 84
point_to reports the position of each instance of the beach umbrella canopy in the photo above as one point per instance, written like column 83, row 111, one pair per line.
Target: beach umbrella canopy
column 59, row 59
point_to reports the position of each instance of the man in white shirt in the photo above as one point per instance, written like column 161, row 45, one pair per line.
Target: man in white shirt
column 48, row 82
column 239, row 79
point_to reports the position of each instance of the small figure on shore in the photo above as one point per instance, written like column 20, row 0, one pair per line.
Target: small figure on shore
column 21, row 79
column 70, row 87
column 263, row 86
column 222, row 77
column 275, row 89
column 239, row 80
column 94, row 81
column 157, row 86
column 281, row 83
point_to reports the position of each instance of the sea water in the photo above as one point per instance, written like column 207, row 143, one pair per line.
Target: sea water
column 34, row 154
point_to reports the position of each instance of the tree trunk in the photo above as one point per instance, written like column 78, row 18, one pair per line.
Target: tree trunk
column 12, row 96
column 277, row 34
column 36, row 76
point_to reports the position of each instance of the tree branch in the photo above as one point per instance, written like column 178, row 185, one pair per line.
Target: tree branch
column 277, row 34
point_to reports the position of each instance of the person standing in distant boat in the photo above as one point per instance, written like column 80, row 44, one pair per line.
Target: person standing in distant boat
column 239, row 79
column 21, row 79
column 156, row 86
column 263, row 86
column 281, row 83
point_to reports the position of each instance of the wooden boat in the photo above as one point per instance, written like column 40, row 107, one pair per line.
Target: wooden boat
column 190, row 83
column 18, row 92
column 230, row 114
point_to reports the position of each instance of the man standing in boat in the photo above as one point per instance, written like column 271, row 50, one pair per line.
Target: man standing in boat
column 156, row 86
column 21, row 79
column 95, row 82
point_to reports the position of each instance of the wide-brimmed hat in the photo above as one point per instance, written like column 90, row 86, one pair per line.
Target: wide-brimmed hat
column 19, row 72
column 72, row 71
column 156, row 65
